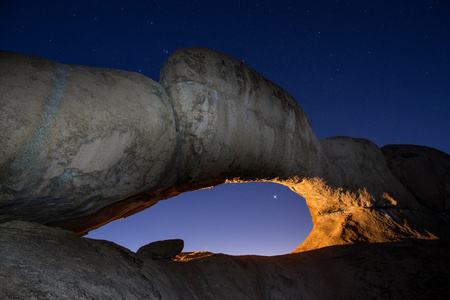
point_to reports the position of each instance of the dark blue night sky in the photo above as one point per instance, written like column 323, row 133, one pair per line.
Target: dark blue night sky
column 373, row 69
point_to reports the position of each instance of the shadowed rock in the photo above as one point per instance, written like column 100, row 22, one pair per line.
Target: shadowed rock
column 40, row 262
column 424, row 171
column 233, row 122
column 162, row 249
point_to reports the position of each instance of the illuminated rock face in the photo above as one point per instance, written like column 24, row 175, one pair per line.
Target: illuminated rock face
column 84, row 146
column 368, row 204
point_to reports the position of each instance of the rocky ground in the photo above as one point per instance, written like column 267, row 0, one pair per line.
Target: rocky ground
column 40, row 262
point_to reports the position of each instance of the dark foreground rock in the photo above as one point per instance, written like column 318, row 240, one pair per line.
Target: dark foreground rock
column 424, row 171
column 162, row 249
column 40, row 262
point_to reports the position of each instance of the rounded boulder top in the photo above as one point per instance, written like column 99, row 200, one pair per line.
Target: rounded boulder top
column 162, row 249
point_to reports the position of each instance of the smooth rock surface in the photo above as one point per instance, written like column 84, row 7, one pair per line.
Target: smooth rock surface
column 40, row 262
column 162, row 249
column 76, row 139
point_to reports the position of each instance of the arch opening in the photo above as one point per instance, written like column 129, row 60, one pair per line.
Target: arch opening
column 251, row 218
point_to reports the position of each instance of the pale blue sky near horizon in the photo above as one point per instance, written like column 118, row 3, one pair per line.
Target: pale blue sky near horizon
column 378, row 70
column 232, row 218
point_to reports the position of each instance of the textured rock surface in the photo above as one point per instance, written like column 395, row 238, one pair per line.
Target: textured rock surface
column 32, row 268
column 424, row 171
column 368, row 204
column 77, row 139
column 162, row 249
column 235, row 123
column 83, row 146
column 187, row 256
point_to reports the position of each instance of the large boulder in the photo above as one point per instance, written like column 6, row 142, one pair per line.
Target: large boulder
column 162, row 249
column 76, row 139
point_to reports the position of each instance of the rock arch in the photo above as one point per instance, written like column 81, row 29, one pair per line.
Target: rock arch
column 83, row 146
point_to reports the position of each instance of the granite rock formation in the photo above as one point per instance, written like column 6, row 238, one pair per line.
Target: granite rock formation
column 64, row 266
column 424, row 171
column 382, row 211
column 232, row 122
column 162, row 249
column 82, row 146
column 78, row 140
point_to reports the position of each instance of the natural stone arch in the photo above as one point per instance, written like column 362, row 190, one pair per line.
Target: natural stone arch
column 84, row 146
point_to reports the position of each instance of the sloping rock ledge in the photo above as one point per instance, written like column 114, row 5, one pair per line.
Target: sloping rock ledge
column 32, row 268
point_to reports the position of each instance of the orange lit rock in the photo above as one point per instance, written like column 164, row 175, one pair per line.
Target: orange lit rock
column 188, row 256
column 367, row 204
